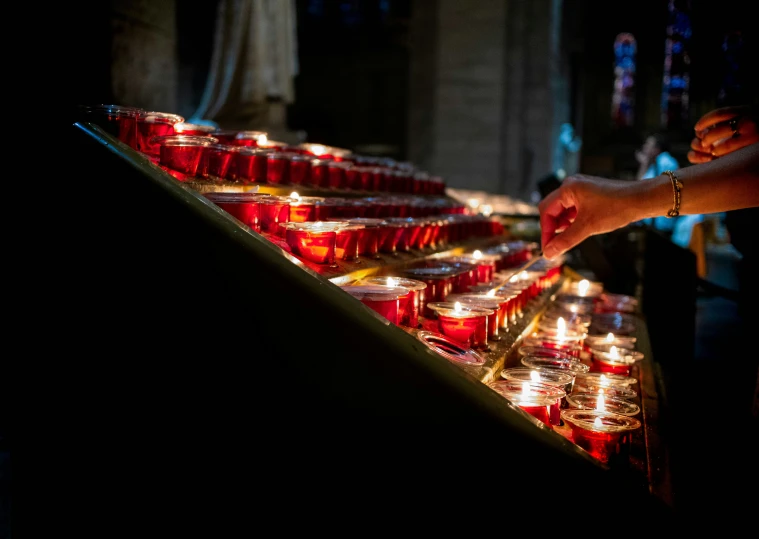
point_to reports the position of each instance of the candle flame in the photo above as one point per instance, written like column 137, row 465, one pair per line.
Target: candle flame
column 561, row 328
column 391, row 281
column 477, row 254
column 318, row 149
column 603, row 380
column 486, row 210
column 601, row 403
column 262, row 140
column 491, row 293
column 513, row 278
column 598, row 423
column 535, row 376
column 526, row 389
column 614, row 353
column 610, row 338
column 473, row 203
column 573, row 308
column 583, row 287
column 295, row 195
column 457, row 307
column 524, row 275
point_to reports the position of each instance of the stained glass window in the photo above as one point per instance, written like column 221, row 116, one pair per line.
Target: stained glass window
column 623, row 98
column 676, row 80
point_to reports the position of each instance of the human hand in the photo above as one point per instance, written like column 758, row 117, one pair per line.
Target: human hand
column 581, row 207
column 722, row 131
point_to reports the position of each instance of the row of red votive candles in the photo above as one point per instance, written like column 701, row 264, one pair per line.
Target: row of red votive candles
column 249, row 157
column 320, row 232
column 599, row 409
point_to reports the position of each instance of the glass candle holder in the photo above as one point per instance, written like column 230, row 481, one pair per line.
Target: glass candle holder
column 347, row 242
column 336, row 176
column 217, row 162
column 604, row 435
column 117, row 120
column 450, row 349
column 402, row 245
column 616, row 303
column 497, row 305
column 273, row 210
column 616, row 323
column 250, row 138
column 467, row 324
column 439, row 283
column 240, row 205
column 553, row 377
column 389, row 237
column 152, row 124
column 622, row 351
column 603, row 403
column 303, row 209
column 274, row 145
column 226, row 136
column 300, row 169
column 553, row 313
column 616, row 361
column 572, row 365
column 574, row 303
column 383, row 300
column 584, row 288
column 620, row 392
column 250, row 165
column 368, row 239
column 609, row 339
column 314, row 241
column 408, row 310
column 540, row 400
column 319, row 173
column 277, row 168
column 183, row 153
column 605, row 379
column 553, row 327
column 569, row 343
column 184, row 128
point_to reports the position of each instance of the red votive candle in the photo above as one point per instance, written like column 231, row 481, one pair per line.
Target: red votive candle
column 347, row 242
column 250, row 164
column 605, row 379
column 390, row 236
column 313, row 241
column 541, row 401
column 604, row 435
column 273, row 210
column 616, row 361
column 410, row 308
column 609, row 339
column 119, row 121
column 381, row 299
column 449, row 349
column 300, row 169
column 498, row 305
column 624, row 351
column 403, row 244
column 584, row 288
column 439, row 283
column 183, row 153
column 242, row 206
column 250, row 138
column 368, row 239
column 620, row 392
column 572, row 365
column 218, row 161
column 154, row 124
column 304, row 209
column 603, row 403
column 337, row 178
column 226, row 136
column 467, row 324
column 184, row 128
column 553, row 377
column 277, row 168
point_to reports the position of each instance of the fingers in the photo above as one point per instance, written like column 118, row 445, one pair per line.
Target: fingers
column 555, row 212
column 695, row 157
column 569, row 238
column 734, row 143
column 716, row 134
column 716, row 116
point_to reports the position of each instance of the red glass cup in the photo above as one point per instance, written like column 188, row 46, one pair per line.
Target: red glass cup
column 304, row 209
column 200, row 130
column 620, row 392
column 116, row 120
column 439, row 284
column 183, row 153
column 383, row 300
column 449, row 349
column 498, row 304
column 219, row 163
column 319, row 173
column 572, row 365
column 402, row 244
column 614, row 362
column 314, row 241
column 347, row 242
column 542, row 401
column 250, row 165
column 273, row 210
column 390, row 236
column 300, row 169
column 368, row 239
column 604, row 379
column 152, row 124
column 274, row 145
column 410, row 308
column 609, row 339
column 336, row 174
column 277, row 168
column 553, row 377
column 604, row 435
column 250, row 139
column 467, row 324
column 242, row 206
column 226, row 136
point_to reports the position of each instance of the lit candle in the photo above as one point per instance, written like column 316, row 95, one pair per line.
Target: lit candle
column 612, row 361
column 540, row 400
column 604, row 435
column 563, row 379
column 382, row 299
column 408, row 310
column 464, row 323
column 313, row 241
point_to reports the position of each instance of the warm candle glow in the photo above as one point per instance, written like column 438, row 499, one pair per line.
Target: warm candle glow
column 603, row 380
column 390, row 281
column 583, row 286
column 526, row 389
column 613, row 353
column 513, row 278
column 491, row 293
column 524, row 276
column 473, row 203
column 262, row 140
column 598, row 423
column 573, row 308
column 561, row 328
column 535, row 376
column 610, row 338
column 477, row 254
column 486, row 210
column 317, row 149
column 457, row 307
column 600, row 403
column 295, row 195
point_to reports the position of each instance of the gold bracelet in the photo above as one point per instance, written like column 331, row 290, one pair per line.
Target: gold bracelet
column 677, row 187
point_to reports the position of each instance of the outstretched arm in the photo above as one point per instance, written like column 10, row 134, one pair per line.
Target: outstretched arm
column 584, row 206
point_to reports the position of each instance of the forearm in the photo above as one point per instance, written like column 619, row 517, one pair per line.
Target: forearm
column 728, row 183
